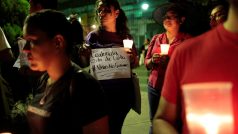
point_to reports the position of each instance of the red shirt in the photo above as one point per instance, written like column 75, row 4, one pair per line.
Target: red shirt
column 156, row 77
column 208, row 58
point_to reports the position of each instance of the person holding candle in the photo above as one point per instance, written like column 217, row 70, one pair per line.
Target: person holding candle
column 67, row 99
column 156, row 58
column 205, row 59
column 108, row 41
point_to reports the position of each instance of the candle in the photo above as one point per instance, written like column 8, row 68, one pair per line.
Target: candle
column 127, row 43
column 211, row 123
column 208, row 108
column 164, row 49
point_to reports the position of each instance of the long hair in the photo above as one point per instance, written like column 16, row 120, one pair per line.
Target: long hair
column 121, row 21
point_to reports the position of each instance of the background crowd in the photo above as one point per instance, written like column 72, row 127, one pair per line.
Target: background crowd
column 53, row 92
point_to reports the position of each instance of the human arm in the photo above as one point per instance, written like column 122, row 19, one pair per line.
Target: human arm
column 84, row 52
column 153, row 56
column 132, row 52
column 148, row 58
column 164, row 121
column 169, row 115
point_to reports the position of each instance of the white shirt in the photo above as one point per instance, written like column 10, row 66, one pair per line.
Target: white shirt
column 3, row 41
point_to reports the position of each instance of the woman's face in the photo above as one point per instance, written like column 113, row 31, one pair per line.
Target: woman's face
column 107, row 15
column 40, row 49
column 171, row 21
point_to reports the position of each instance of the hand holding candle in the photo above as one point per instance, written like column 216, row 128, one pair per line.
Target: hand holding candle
column 155, row 58
column 128, row 43
column 128, row 48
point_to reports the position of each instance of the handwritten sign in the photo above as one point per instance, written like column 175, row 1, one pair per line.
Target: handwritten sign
column 110, row 63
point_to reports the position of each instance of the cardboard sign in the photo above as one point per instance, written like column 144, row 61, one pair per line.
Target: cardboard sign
column 110, row 63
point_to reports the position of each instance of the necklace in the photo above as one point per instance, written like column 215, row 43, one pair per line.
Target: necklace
column 47, row 91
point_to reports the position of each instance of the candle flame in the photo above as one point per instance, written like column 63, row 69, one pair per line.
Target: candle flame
column 210, row 122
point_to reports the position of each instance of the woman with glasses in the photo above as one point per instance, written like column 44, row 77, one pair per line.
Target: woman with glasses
column 67, row 99
column 110, row 63
column 173, row 22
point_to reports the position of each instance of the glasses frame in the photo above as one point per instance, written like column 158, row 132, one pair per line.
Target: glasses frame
column 171, row 17
column 103, row 10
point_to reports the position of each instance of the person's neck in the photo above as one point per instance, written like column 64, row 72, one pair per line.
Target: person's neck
column 171, row 35
column 110, row 28
column 232, row 21
column 58, row 69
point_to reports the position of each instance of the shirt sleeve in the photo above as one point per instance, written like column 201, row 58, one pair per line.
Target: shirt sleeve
column 150, row 47
column 3, row 41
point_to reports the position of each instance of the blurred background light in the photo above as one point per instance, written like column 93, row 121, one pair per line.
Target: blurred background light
column 145, row 6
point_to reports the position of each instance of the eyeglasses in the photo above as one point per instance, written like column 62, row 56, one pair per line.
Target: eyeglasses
column 34, row 42
column 170, row 17
column 103, row 10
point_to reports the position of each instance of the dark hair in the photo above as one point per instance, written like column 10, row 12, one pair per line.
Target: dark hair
column 46, row 4
column 77, row 30
column 51, row 22
column 224, row 6
column 121, row 21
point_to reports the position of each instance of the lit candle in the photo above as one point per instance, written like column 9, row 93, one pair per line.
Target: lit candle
column 127, row 43
column 164, row 49
column 209, row 108
column 211, row 123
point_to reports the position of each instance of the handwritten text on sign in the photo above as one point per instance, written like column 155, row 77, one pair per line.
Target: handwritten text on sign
column 110, row 63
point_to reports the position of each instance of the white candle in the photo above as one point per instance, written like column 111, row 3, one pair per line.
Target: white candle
column 211, row 123
column 209, row 108
column 127, row 43
column 164, row 49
